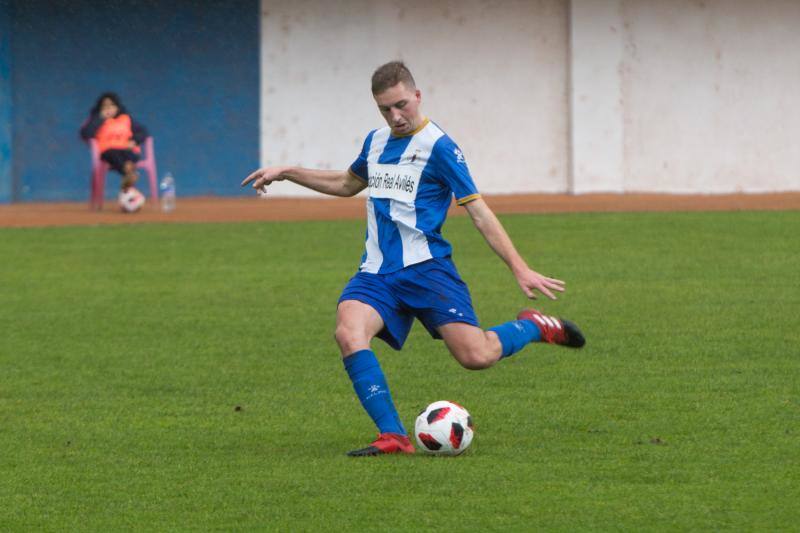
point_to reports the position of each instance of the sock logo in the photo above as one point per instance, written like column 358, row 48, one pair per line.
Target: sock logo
column 375, row 390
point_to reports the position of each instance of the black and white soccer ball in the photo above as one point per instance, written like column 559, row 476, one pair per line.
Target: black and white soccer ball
column 130, row 200
column 444, row 428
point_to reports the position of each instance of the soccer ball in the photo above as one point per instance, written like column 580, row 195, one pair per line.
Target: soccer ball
column 444, row 428
column 131, row 200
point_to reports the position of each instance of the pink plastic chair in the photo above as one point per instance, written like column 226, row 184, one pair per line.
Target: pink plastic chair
column 100, row 169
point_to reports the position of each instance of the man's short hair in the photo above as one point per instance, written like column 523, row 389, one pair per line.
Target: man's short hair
column 388, row 75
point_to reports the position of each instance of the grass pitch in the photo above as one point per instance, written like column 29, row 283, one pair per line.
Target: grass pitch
column 184, row 377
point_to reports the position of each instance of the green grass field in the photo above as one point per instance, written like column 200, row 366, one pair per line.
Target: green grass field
column 185, row 377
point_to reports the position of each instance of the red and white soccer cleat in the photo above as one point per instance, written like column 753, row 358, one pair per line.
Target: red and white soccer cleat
column 385, row 443
column 554, row 330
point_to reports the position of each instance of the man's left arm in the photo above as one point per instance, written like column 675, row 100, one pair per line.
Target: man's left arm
column 492, row 230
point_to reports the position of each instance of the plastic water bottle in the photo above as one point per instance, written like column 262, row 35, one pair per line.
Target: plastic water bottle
column 167, row 188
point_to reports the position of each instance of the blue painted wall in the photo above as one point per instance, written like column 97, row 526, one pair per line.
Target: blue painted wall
column 6, row 184
column 188, row 71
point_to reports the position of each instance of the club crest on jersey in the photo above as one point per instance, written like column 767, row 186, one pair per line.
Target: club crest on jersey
column 459, row 155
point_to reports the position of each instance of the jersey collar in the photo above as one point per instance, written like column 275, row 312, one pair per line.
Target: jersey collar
column 418, row 129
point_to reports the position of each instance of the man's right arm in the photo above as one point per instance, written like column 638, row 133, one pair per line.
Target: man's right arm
column 333, row 182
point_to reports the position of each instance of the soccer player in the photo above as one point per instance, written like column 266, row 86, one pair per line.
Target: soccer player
column 413, row 170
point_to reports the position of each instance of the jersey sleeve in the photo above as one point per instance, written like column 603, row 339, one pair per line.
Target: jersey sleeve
column 359, row 166
column 453, row 170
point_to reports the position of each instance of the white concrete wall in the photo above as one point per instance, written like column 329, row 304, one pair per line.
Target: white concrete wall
column 677, row 96
column 711, row 93
column 596, row 59
column 492, row 75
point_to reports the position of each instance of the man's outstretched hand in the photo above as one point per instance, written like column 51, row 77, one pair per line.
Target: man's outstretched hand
column 263, row 177
column 529, row 281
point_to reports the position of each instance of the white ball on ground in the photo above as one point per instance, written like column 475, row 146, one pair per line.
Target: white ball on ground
column 444, row 428
column 131, row 200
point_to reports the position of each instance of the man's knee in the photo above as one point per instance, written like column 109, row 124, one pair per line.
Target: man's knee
column 472, row 347
column 349, row 339
column 474, row 358
column 356, row 324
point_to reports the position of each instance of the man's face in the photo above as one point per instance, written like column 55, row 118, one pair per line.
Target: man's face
column 399, row 106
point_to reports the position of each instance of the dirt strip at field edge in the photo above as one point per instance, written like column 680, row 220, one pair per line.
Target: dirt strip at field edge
column 218, row 209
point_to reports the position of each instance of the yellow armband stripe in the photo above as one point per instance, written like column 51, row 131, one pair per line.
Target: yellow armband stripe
column 467, row 199
column 356, row 175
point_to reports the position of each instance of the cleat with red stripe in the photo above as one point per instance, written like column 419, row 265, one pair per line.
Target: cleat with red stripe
column 554, row 330
column 386, row 443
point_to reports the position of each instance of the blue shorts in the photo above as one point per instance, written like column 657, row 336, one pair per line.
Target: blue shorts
column 431, row 291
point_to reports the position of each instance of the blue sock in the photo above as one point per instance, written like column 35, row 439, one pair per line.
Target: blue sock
column 515, row 335
column 371, row 388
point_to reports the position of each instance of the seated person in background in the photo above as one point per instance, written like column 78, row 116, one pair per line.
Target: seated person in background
column 118, row 136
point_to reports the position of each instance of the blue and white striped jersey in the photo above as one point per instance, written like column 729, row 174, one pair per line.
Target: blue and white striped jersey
column 412, row 180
